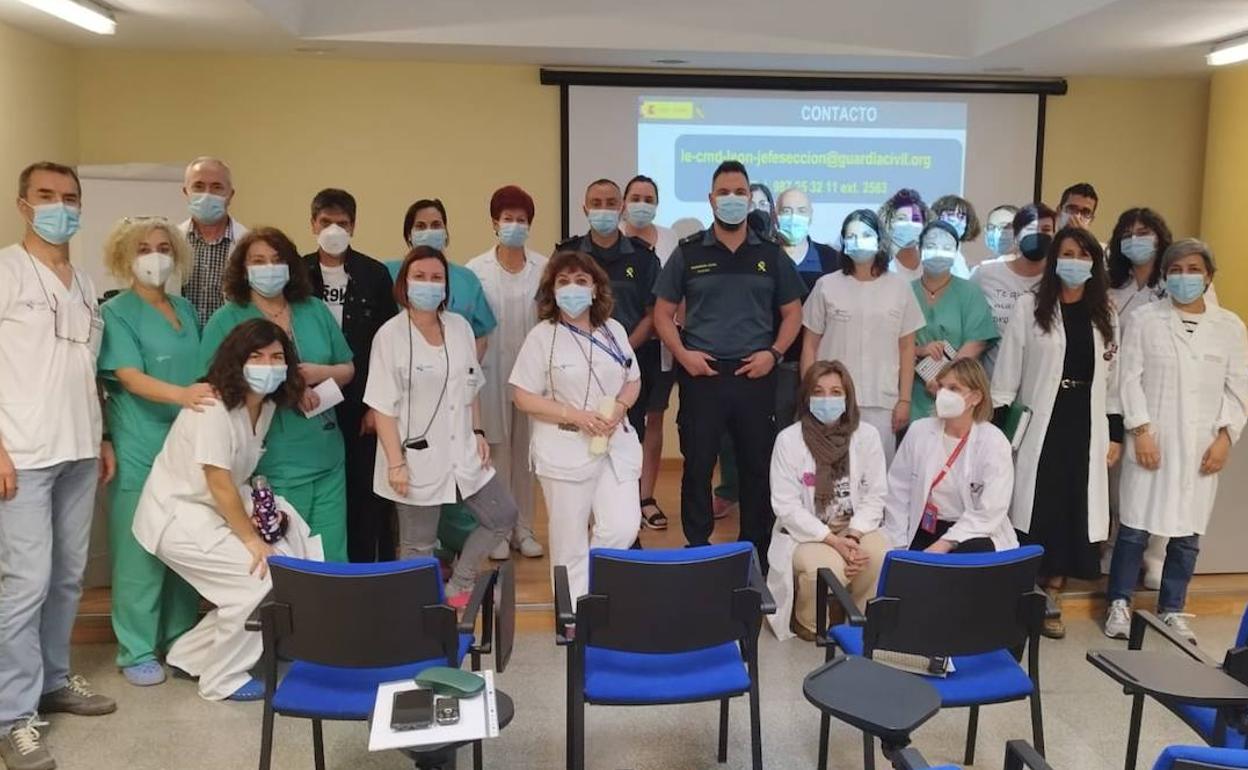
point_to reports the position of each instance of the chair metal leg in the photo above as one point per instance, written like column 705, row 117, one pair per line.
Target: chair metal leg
column 722, row 756
column 1037, row 723
column 756, row 727
column 824, row 723
column 1133, row 737
column 578, row 734
column 868, row 752
column 478, row 761
column 266, row 738
column 318, row 745
column 972, row 729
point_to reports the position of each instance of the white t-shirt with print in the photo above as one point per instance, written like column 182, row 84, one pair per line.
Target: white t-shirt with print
column 335, row 294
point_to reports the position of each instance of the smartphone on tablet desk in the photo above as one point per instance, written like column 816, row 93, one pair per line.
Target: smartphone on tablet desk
column 412, row 710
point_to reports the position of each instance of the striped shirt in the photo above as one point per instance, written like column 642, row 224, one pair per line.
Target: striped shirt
column 203, row 288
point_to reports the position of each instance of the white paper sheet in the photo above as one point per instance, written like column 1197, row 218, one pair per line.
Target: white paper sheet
column 478, row 718
column 330, row 395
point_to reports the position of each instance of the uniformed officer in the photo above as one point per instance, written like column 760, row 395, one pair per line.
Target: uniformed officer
column 743, row 310
column 633, row 268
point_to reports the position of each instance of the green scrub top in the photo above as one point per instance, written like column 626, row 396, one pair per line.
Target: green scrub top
column 138, row 336
column 297, row 449
column 961, row 315
column 467, row 297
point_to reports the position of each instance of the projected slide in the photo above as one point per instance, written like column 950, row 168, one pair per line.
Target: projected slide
column 844, row 154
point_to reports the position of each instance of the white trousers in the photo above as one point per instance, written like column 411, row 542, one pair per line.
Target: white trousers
column 511, row 463
column 882, row 419
column 218, row 650
column 616, row 516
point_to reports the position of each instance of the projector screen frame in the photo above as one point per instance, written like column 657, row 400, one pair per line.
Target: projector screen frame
column 1042, row 88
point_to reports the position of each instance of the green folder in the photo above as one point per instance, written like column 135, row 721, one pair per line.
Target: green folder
column 1014, row 424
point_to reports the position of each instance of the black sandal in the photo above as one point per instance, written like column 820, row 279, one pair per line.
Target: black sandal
column 657, row 520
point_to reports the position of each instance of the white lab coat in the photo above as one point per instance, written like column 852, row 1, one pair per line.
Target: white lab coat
column 983, row 476
column 793, row 500
column 1186, row 388
column 1029, row 370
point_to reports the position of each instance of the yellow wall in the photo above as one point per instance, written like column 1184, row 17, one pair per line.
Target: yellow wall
column 390, row 132
column 37, row 88
column 1226, row 183
column 1140, row 142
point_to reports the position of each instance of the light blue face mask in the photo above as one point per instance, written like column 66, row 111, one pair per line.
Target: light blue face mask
column 827, row 409
column 958, row 224
column 999, row 241
column 55, row 223
column 264, row 379
column 793, row 227
column 732, row 209
column 513, row 234
column 603, row 221
column 206, row 207
column 641, row 214
column 1185, row 288
column 1139, row 248
column 430, row 237
column 861, row 247
column 425, row 295
column 904, row 234
column 268, row 280
column 1074, row 272
column 937, row 261
column 574, row 299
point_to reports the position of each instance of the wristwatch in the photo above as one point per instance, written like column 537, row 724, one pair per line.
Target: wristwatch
column 479, row 432
column 778, row 355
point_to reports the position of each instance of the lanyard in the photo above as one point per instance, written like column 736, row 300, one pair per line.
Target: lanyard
column 953, row 457
column 614, row 351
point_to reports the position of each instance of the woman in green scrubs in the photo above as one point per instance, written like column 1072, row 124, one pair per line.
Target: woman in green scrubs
column 148, row 363
column 303, row 458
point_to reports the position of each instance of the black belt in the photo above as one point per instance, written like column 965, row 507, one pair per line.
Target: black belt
column 726, row 365
column 1067, row 384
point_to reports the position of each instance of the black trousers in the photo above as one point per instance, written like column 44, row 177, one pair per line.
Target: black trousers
column 649, row 361
column 975, row 545
column 744, row 409
column 370, row 519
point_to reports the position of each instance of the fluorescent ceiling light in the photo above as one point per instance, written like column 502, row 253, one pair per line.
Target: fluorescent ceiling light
column 1228, row 52
column 82, row 13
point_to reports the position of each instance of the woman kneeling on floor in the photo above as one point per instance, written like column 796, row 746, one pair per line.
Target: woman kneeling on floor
column 828, row 483
column 192, row 514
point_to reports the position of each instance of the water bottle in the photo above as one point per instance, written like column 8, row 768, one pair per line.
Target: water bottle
column 270, row 522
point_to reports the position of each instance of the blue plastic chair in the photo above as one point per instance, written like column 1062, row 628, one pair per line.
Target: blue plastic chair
column 1201, row 758
column 981, row 609
column 347, row 628
column 663, row 627
column 1220, row 728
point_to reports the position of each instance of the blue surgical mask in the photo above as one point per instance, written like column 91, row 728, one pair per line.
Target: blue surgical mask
column 999, row 241
column 513, row 234
column 793, row 227
column 603, row 221
column 264, row 379
column 1074, row 272
column 55, row 223
column 937, row 261
column 434, row 239
column 574, row 299
column 1139, row 248
column 958, row 224
column 1185, row 288
column 641, row 214
column 861, row 247
column 268, row 280
column 732, row 209
column 426, row 295
column 827, row 409
column 206, row 207
column 904, row 234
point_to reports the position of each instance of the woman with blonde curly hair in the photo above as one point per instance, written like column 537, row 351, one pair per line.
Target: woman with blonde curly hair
column 148, row 362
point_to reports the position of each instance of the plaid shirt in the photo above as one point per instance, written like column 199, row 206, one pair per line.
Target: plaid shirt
column 203, row 288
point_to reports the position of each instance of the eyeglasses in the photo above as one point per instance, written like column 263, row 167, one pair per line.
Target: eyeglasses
column 55, row 304
column 1082, row 212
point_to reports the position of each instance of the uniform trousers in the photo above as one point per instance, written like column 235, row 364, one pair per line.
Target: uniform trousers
column 611, row 505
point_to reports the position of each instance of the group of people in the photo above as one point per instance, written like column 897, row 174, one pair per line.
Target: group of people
column 333, row 406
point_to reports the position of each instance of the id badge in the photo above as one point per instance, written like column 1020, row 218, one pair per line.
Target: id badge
column 930, row 516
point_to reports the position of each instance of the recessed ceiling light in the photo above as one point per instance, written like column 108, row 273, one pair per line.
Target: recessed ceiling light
column 1228, row 52
column 669, row 61
column 83, row 13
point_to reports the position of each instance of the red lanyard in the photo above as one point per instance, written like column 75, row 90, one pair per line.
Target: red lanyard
column 957, row 450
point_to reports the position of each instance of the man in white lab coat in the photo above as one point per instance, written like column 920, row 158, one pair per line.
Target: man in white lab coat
column 1184, row 386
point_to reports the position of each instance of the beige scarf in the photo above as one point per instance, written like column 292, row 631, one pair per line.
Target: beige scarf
column 829, row 445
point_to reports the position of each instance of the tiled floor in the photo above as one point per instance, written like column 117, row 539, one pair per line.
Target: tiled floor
column 170, row 727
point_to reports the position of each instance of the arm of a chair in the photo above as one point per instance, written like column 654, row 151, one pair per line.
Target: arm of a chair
column 485, row 584
column 1142, row 620
column 767, row 602
column 829, row 580
column 253, row 621
column 1020, row 754
column 565, row 612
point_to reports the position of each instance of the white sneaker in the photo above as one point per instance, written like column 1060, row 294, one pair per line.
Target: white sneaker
column 1118, row 620
column 530, row 548
column 1178, row 623
column 501, row 552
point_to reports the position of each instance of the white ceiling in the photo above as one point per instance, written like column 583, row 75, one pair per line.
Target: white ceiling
column 971, row 37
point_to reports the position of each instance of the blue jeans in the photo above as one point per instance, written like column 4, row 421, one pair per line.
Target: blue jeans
column 44, row 533
column 1124, row 568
